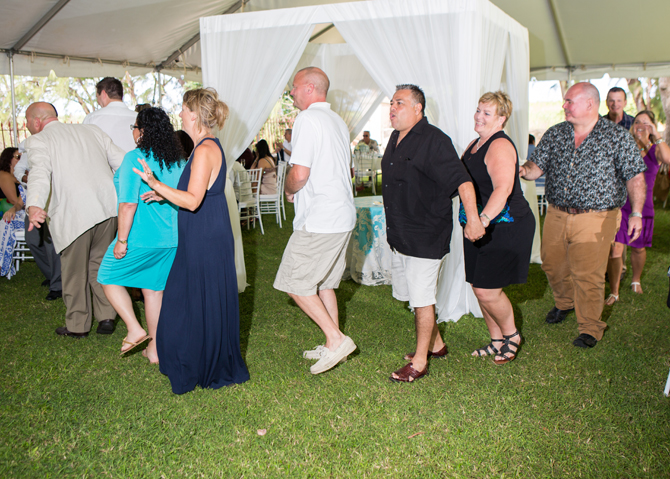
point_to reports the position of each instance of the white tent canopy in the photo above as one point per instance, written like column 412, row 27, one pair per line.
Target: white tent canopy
column 456, row 50
column 94, row 38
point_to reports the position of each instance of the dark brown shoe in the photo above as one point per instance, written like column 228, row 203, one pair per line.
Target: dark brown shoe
column 437, row 354
column 63, row 331
column 407, row 374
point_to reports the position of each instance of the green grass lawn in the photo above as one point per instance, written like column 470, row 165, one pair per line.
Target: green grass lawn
column 73, row 408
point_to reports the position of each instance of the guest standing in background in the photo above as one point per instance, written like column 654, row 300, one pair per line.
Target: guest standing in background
column 114, row 117
column 12, row 209
column 654, row 151
column 502, row 256
column 198, row 336
column 142, row 253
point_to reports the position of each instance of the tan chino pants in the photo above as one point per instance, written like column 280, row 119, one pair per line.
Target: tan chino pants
column 80, row 262
column 575, row 248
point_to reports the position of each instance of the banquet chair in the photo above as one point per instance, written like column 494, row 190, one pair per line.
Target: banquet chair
column 272, row 204
column 541, row 198
column 363, row 169
column 250, row 183
column 21, row 251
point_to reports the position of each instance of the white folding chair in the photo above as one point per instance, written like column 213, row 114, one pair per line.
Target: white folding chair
column 21, row 250
column 539, row 190
column 271, row 204
column 363, row 169
column 249, row 187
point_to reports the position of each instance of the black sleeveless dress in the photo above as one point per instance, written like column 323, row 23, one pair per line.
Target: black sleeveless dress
column 502, row 256
column 198, row 337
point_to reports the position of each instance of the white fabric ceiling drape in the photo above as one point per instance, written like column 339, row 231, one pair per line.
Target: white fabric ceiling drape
column 353, row 93
column 455, row 51
column 258, row 58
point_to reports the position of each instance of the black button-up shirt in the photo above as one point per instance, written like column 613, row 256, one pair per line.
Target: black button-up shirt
column 420, row 176
column 593, row 176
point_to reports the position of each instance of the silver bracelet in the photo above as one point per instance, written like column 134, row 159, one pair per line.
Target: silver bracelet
column 635, row 215
column 659, row 141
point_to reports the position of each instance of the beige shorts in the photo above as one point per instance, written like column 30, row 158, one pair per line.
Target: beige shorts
column 414, row 279
column 311, row 262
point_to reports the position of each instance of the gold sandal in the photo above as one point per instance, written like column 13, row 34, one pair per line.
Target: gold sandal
column 132, row 345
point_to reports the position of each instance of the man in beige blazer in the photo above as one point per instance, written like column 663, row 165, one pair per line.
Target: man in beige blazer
column 71, row 181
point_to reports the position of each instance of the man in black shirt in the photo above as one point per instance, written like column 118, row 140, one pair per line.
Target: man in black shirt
column 421, row 173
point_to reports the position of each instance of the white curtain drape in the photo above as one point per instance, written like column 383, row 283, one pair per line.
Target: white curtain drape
column 353, row 93
column 455, row 51
column 515, row 82
column 259, row 55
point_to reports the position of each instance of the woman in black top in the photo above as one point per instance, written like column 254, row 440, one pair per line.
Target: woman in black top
column 502, row 256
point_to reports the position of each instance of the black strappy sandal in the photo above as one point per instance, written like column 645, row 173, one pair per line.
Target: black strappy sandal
column 489, row 349
column 505, row 349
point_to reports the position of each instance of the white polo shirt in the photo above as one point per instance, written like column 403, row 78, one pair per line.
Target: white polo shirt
column 286, row 145
column 115, row 120
column 321, row 142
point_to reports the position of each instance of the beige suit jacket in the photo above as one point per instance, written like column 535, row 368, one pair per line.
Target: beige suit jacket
column 75, row 164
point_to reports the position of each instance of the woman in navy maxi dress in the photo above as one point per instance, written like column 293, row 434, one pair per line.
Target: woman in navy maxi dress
column 198, row 336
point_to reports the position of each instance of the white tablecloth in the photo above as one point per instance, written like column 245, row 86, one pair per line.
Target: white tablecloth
column 368, row 253
column 369, row 261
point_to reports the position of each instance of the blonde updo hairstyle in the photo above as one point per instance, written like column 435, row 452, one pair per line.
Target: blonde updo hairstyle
column 210, row 111
column 502, row 102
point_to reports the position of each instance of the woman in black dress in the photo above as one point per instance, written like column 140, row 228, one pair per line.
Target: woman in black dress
column 502, row 256
column 198, row 337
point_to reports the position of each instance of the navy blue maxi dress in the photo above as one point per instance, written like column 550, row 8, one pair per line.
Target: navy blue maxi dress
column 198, row 337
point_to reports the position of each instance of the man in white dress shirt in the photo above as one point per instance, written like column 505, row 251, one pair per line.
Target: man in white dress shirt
column 320, row 187
column 114, row 118
column 71, row 181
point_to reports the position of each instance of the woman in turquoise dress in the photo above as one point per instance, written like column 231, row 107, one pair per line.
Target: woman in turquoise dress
column 142, row 253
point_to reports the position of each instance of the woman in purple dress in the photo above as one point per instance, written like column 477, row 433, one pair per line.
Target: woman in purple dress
column 654, row 151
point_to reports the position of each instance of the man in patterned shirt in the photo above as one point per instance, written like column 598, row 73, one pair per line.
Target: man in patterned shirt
column 590, row 164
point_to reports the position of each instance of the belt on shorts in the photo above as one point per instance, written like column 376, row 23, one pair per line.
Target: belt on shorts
column 577, row 211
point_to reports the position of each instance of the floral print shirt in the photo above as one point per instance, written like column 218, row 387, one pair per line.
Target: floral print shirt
column 593, row 176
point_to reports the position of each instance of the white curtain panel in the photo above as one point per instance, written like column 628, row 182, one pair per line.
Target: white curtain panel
column 455, row 50
column 353, row 93
column 515, row 83
column 248, row 60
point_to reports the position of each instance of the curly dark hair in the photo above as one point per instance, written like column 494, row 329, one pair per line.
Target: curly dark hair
column 6, row 159
column 158, row 137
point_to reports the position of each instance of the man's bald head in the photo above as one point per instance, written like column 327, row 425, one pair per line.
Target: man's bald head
column 38, row 115
column 310, row 85
column 318, row 78
column 581, row 103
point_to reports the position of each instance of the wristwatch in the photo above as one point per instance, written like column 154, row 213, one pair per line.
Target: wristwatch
column 126, row 241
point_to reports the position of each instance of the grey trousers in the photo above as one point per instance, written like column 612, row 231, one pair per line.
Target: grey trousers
column 80, row 262
column 42, row 248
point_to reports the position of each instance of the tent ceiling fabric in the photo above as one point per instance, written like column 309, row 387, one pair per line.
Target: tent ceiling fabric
column 95, row 38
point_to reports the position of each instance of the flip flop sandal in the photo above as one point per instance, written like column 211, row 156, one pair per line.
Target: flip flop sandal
column 407, row 374
column 132, row 345
column 616, row 299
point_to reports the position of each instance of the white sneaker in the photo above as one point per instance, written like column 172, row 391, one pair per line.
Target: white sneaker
column 318, row 352
column 330, row 358
column 315, row 353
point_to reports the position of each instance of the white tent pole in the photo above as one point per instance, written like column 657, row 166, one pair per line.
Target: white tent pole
column 11, row 81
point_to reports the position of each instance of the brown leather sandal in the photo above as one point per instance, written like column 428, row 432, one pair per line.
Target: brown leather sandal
column 408, row 374
column 437, row 354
